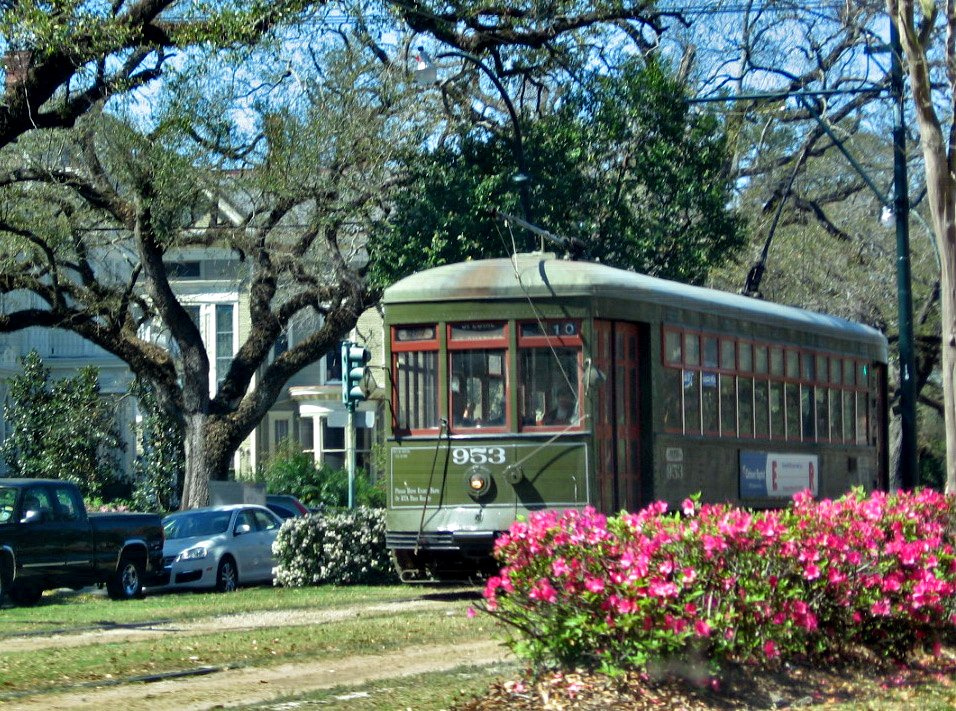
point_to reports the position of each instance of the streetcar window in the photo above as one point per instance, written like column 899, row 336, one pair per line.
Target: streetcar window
column 792, row 398
column 793, row 367
column 806, row 359
column 745, row 406
column 477, row 388
column 728, row 354
column 477, row 374
column 414, row 333
column 776, row 361
column 476, row 331
column 691, row 349
column 672, row 348
column 761, row 408
column 861, row 409
column 777, row 412
column 836, row 414
column 760, row 360
column 709, row 402
column 672, row 407
column 691, row 402
column 745, row 354
column 728, row 405
column 848, row 372
column 710, row 352
column 415, row 378
column 416, row 390
column 823, row 414
column 823, row 371
column 549, row 387
column 806, row 410
column 849, row 416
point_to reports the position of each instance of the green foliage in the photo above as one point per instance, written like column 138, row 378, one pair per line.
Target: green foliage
column 289, row 470
column 342, row 548
column 161, row 461
column 60, row 430
column 622, row 165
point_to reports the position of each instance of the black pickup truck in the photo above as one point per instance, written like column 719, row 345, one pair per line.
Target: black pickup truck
column 47, row 540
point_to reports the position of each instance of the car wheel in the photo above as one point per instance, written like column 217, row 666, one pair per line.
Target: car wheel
column 25, row 594
column 227, row 577
column 126, row 582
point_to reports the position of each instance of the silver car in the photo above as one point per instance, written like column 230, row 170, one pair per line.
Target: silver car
column 220, row 546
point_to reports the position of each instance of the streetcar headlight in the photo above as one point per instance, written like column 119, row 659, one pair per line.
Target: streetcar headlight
column 479, row 481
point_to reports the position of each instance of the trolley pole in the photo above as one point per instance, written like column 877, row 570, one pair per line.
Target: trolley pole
column 909, row 477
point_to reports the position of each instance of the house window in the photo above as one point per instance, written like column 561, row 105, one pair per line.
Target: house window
column 183, row 270
column 225, row 349
column 280, row 432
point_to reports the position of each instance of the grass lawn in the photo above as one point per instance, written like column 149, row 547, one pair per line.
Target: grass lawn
column 354, row 627
column 364, row 630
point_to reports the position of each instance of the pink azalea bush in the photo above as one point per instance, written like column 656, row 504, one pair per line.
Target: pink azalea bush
column 727, row 583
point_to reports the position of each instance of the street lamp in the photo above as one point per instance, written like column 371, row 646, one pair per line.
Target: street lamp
column 426, row 73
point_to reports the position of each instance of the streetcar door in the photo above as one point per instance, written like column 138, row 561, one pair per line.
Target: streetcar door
column 617, row 423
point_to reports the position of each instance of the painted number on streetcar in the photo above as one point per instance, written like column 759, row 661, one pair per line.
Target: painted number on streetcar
column 478, row 455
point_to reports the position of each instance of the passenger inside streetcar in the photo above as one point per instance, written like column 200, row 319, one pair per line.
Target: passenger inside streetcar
column 563, row 412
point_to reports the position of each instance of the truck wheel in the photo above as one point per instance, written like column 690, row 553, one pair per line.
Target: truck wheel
column 25, row 594
column 227, row 577
column 126, row 582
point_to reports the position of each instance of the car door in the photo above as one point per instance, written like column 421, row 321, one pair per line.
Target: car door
column 41, row 547
column 267, row 525
column 243, row 545
column 74, row 527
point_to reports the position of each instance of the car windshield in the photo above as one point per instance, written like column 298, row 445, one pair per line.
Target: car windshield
column 198, row 523
column 8, row 498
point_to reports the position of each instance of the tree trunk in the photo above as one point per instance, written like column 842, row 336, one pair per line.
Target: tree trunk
column 896, row 451
column 948, row 354
column 208, row 453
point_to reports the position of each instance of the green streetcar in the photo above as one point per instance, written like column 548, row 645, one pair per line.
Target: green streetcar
column 535, row 382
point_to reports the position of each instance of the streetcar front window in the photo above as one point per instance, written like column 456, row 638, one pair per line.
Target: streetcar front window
column 477, row 395
column 415, row 378
column 549, row 367
column 549, row 387
column 478, row 388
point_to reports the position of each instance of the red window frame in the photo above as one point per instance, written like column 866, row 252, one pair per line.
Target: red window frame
column 457, row 343
column 425, row 345
column 827, row 380
column 556, row 340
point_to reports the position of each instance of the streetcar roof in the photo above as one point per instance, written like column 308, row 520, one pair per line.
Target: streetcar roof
column 543, row 276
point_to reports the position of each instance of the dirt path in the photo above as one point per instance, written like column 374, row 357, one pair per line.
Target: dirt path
column 223, row 623
column 223, row 688
column 238, row 687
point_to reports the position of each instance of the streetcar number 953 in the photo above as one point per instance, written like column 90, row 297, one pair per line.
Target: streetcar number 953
column 478, row 455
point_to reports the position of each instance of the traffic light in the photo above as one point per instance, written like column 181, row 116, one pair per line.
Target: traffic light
column 354, row 358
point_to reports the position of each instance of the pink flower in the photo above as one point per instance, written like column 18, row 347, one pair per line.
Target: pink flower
column 811, row 572
column 702, row 629
column 594, row 585
column 559, row 567
column 688, row 507
column 470, row 612
column 881, row 608
column 770, row 649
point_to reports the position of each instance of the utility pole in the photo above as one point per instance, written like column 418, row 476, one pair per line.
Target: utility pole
column 909, row 477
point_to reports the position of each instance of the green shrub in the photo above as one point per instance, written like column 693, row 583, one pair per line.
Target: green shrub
column 345, row 547
column 61, row 429
column 291, row 471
